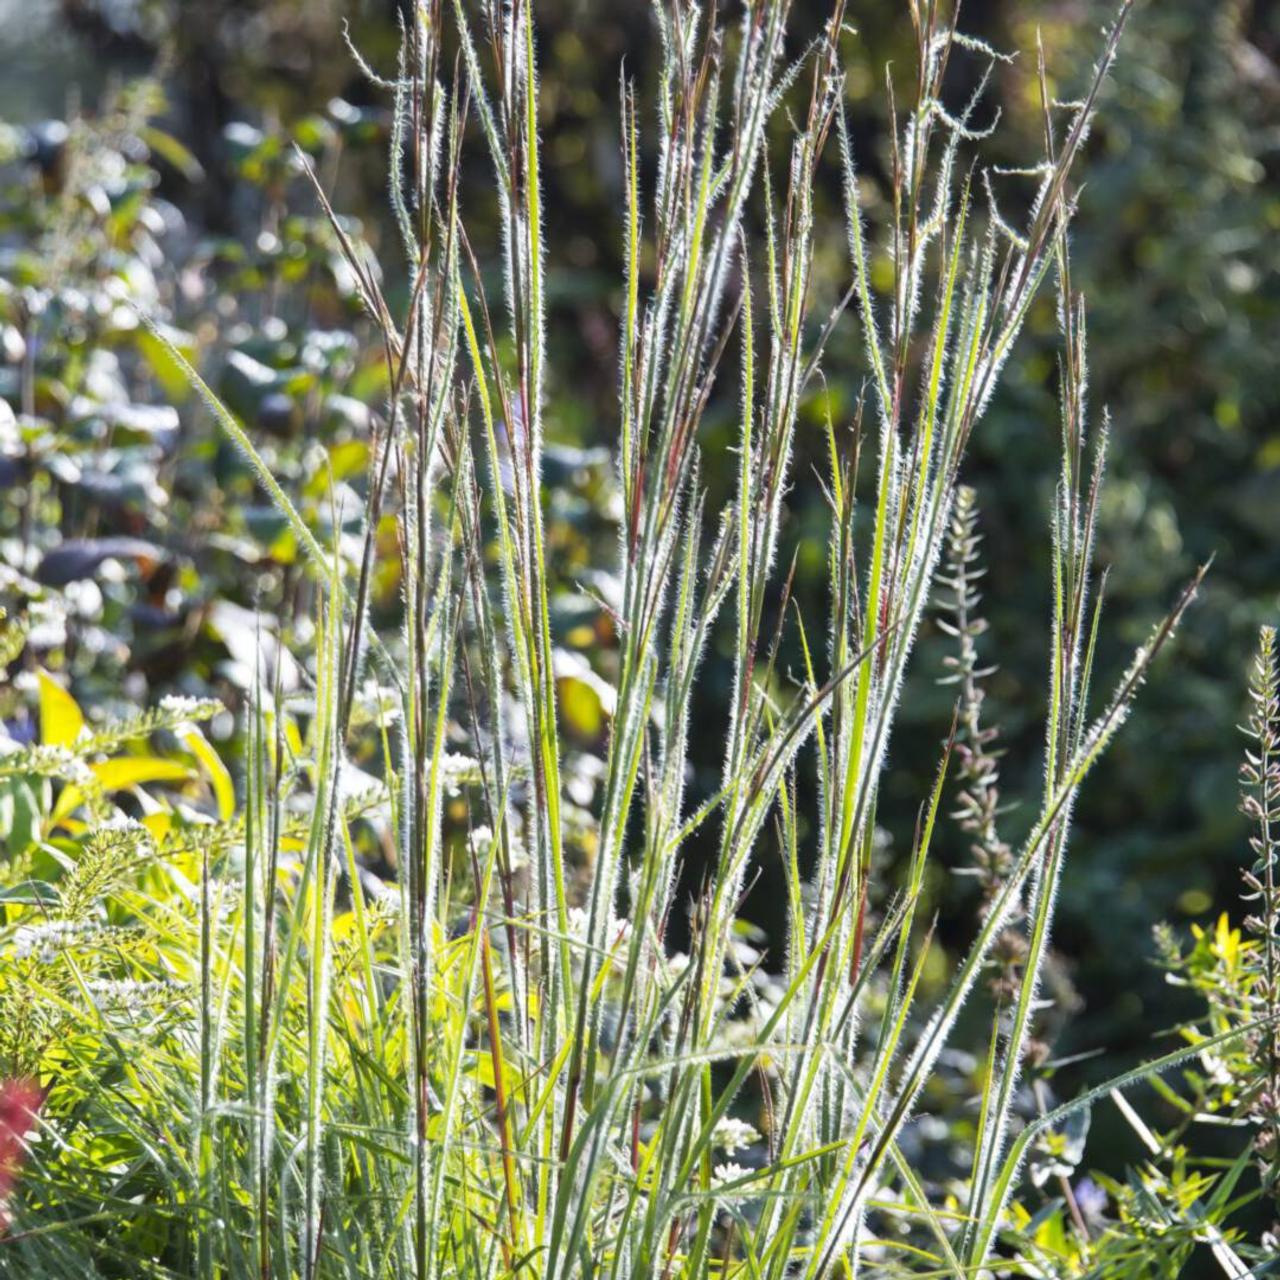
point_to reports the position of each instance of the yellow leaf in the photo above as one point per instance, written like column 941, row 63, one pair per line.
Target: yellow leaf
column 60, row 719
column 581, row 708
column 293, row 739
column 348, row 458
column 159, row 824
column 219, row 779
column 69, row 799
column 129, row 771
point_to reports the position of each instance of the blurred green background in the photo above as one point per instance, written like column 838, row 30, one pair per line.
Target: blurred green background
column 1176, row 245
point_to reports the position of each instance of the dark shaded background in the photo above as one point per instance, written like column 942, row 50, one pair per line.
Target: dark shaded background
column 1176, row 246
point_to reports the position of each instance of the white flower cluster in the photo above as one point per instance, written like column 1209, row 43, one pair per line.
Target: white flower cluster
column 724, row 1175
column 129, row 995
column 45, row 941
column 180, row 707
column 480, row 841
column 54, row 762
column 732, row 1135
column 458, row 771
column 578, row 921
column 118, row 831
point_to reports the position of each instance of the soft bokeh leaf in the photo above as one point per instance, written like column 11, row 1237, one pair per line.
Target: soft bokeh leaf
column 60, row 717
column 219, row 778
column 130, row 771
column 30, row 893
column 168, row 373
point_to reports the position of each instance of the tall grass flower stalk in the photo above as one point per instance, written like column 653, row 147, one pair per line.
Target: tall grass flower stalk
column 500, row 1066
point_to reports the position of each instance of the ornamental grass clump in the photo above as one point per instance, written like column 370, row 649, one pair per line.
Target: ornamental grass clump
column 268, row 1062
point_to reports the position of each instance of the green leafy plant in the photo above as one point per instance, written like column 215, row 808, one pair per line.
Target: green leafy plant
column 1233, row 970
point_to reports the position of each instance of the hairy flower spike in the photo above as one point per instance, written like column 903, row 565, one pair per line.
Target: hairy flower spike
column 978, row 769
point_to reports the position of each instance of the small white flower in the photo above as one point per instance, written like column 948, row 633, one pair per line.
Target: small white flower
column 189, row 708
column 46, row 941
column 725, row 1174
column 732, row 1135
column 129, row 995
column 458, row 771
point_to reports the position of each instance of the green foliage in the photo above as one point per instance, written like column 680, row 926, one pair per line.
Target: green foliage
column 433, row 992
